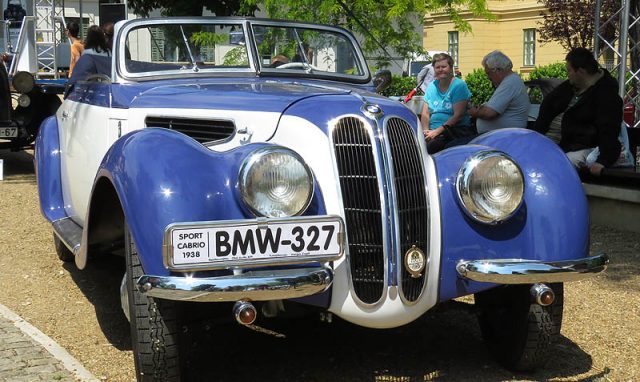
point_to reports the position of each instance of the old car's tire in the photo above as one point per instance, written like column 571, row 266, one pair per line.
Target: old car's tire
column 62, row 251
column 154, row 328
column 518, row 331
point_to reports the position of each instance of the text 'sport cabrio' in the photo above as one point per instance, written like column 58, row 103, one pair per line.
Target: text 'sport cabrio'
column 250, row 163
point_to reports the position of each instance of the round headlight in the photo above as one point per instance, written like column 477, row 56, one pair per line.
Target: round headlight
column 23, row 82
column 490, row 186
column 24, row 100
column 275, row 182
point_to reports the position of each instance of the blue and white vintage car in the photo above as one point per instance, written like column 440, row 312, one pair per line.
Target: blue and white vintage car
column 250, row 162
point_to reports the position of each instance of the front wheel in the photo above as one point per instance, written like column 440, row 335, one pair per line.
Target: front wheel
column 518, row 331
column 154, row 327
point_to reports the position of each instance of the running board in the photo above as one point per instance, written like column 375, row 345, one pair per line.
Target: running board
column 70, row 233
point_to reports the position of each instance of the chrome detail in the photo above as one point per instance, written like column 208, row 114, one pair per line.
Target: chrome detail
column 415, row 262
column 542, row 294
column 464, row 189
column 410, row 206
column 254, row 285
column 372, row 110
column 69, row 232
column 518, row 271
column 244, row 312
column 361, row 199
column 244, row 180
column 167, row 247
column 124, row 297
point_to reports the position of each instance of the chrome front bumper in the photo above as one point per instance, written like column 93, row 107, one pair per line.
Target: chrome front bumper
column 517, row 271
column 253, row 286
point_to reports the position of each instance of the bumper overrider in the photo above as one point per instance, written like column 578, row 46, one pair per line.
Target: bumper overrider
column 519, row 271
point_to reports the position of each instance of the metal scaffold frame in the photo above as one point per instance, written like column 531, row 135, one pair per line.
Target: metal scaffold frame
column 624, row 47
column 49, row 28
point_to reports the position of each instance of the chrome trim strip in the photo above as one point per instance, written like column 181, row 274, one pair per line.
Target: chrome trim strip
column 69, row 232
column 518, row 271
column 253, row 285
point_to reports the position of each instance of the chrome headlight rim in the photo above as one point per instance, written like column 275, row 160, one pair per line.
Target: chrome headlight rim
column 254, row 158
column 463, row 188
column 23, row 82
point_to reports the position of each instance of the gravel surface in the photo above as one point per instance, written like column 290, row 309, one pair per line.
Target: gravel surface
column 80, row 310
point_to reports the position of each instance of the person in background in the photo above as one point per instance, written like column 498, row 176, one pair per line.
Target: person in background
column 509, row 105
column 587, row 111
column 96, row 43
column 444, row 114
column 72, row 31
column 425, row 77
column 107, row 29
column 279, row 60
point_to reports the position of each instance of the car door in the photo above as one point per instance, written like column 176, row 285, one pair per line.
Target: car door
column 84, row 138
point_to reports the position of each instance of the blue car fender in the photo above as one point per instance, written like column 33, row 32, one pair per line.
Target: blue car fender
column 47, row 166
column 551, row 224
column 164, row 177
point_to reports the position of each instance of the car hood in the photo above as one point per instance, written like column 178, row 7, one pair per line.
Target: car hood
column 260, row 96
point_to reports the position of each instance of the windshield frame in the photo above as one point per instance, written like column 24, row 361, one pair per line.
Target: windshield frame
column 255, row 69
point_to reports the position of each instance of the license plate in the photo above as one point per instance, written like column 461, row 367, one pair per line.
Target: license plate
column 253, row 242
column 8, row 132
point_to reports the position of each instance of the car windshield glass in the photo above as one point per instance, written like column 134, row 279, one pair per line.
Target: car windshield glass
column 308, row 50
column 185, row 48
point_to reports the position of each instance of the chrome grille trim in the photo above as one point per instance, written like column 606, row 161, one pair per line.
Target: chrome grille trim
column 411, row 207
column 360, row 184
column 202, row 130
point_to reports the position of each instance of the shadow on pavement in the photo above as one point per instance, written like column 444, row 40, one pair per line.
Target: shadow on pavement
column 18, row 166
column 100, row 283
column 444, row 345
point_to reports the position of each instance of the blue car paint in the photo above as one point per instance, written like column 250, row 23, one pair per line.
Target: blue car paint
column 554, row 209
column 323, row 110
column 92, row 93
column 47, row 165
column 186, row 183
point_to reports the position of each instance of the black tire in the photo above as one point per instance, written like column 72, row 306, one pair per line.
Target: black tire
column 519, row 332
column 154, row 326
column 62, row 251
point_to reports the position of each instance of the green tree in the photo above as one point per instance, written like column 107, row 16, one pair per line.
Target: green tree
column 193, row 7
column 380, row 23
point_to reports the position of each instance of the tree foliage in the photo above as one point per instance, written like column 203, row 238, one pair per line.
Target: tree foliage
column 193, row 7
column 571, row 23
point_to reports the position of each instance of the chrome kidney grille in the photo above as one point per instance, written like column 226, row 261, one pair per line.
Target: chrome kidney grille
column 361, row 201
column 411, row 200
column 365, row 213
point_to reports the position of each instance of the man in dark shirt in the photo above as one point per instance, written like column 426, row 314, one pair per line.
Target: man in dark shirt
column 587, row 111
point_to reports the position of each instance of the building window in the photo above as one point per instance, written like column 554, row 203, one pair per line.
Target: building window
column 453, row 47
column 529, row 47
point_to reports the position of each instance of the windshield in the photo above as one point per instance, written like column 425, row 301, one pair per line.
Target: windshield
column 294, row 48
column 178, row 47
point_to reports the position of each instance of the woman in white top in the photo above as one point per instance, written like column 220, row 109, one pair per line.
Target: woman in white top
column 95, row 42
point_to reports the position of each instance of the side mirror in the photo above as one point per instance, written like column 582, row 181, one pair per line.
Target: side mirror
column 382, row 79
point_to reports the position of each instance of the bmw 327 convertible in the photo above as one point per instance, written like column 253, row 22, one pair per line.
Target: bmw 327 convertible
column 250, row 163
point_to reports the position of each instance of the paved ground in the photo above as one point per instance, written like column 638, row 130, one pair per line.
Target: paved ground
column 26, row 354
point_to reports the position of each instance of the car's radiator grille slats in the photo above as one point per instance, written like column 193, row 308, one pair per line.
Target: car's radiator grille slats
column 363, row 213
column 411, row 200
column 202, row 130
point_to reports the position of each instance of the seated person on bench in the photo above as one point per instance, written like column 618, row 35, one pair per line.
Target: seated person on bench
column 586, row 110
